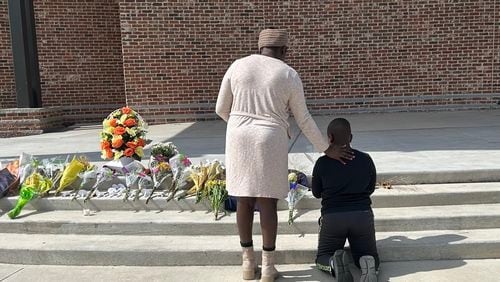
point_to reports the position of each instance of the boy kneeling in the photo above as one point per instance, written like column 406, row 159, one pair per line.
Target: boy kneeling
column 346, row 212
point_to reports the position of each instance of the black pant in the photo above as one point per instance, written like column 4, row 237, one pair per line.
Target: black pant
column 356, row 226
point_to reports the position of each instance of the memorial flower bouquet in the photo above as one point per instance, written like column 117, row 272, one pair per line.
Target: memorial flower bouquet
column 216, row 195
column 295, row 194
column 162, row 152
column 180, row 164
column 33, row 186
column 200, row 176
column 36, row 178
column 71, row 172
column 123, row 135
column 103, row 174
column 133, row 172
column 161, row 171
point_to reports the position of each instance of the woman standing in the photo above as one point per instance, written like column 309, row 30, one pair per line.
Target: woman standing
column 254, row 98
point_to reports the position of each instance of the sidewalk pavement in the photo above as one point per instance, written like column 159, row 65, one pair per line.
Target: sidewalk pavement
column 406, row 271
column 398, row 142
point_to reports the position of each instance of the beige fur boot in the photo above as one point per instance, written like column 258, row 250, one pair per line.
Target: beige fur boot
column 248, row 266
column 269, row 272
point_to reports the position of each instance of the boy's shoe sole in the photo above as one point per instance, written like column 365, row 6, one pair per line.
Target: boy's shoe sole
column 368, row 271
column 341, row 270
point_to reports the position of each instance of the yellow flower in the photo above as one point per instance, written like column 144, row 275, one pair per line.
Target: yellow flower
column 105, row 123
column 164, row 166
column 118, row 154
column 103, row 154
column 131, row 132
column 123, row 118
column 109, row 130
column 115, row 138
column 139, row 151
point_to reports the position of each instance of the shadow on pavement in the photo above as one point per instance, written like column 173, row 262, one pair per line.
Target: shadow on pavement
column 392, row 269
column 416, row 264
column 311, row 273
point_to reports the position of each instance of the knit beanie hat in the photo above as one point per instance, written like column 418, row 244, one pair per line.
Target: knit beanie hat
column 273, row 38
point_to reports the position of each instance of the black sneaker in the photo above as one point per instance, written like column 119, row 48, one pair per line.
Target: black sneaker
column 368, row 271
column 340, row 270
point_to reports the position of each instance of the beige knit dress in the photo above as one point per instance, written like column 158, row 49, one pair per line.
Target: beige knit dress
column 254, row 98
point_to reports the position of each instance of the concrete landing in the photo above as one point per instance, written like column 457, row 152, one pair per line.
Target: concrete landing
column 409, row 271
column 425, row 142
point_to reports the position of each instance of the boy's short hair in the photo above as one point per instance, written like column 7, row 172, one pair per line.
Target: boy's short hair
column 340, row 129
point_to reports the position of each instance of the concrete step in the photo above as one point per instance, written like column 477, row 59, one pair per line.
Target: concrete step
column 203, row 223
column 140, row 250
column 486, row 270
column 397, row 196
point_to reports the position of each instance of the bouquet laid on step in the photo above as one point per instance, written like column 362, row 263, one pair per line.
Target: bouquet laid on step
column 33, row 186
column 295, row 194
column 38, row 177
column 209, row 184
column 200, row 175
column 216, row 195
column 133, row 172
column 159, row 166
column 103, row 174
column 181, row 172
column 72, row 171
column 53, row 168
column 123, row 135
column 169, row 170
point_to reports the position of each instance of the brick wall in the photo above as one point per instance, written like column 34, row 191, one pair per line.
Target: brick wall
column 352, row 55
column 29, row 121
column 169, row 56
column 7, row 84
column 79, row 45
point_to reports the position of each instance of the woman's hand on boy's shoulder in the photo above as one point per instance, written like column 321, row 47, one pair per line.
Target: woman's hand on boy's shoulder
column 342, row 153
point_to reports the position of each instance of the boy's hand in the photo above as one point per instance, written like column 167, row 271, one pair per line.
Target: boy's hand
column 340, row 153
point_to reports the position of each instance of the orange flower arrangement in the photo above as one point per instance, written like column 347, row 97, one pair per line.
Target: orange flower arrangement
column 132, row 145
column 130, row 122
column 108, row 153
column 117, row 143
column 140, row 142
column 123, row 135
column 129, row 152
column 119, row 130
column 113, row 122
column 105, row 145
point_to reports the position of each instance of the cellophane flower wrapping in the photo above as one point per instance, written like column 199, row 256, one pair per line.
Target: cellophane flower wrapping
column 88, row 177
column 71, row 172
column 295, row 194
column 103, row 174
column 216, row 195
column 200, row 175
column 132, row 172
column 27, row 165
column 53, row 169
column 159, row 165
column 33, row 186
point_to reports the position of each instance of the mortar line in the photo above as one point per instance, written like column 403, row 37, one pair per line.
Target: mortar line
column 494, row 50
